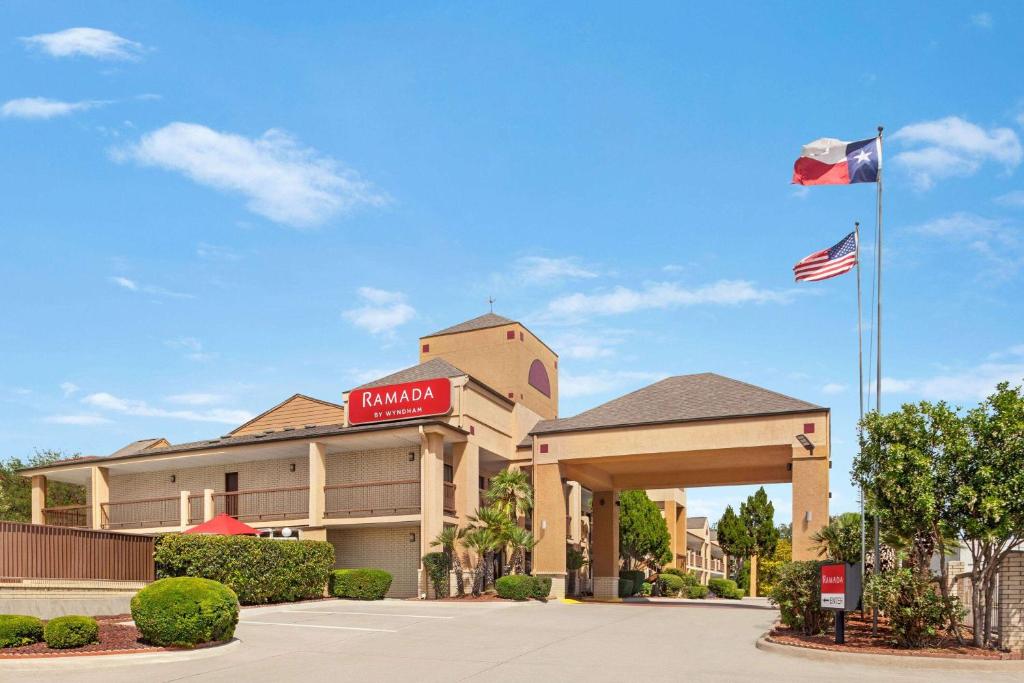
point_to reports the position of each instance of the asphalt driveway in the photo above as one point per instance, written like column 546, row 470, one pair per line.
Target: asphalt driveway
column 430, row 641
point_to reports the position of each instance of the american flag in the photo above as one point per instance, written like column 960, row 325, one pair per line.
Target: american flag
column 827, row 263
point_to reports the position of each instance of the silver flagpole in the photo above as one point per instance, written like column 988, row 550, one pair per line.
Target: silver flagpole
column 860, row 392
column 878, row 345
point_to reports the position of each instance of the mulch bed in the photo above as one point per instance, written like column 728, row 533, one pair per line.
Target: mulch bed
column 115, row 637
column 859, row 639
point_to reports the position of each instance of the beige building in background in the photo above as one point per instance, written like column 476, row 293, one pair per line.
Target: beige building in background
column 381, row 491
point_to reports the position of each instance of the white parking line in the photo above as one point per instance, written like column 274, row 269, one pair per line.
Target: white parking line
column 338, row 628
column 367, row 614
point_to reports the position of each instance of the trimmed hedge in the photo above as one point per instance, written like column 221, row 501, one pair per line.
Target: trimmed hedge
column 515, row 587
column 646, row 589
column 726, row 588
column 258, row 570
column 625, row 587
column 360, row 584
column 697, row 591
column 541, row 587
column 185, row 612
column 17, row 630
column 636, row 576
column 437, row 566
column 671, row 584
column 71, row 631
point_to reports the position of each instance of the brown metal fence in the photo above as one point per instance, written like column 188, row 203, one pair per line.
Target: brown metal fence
column 34, row 551
column 372, row 499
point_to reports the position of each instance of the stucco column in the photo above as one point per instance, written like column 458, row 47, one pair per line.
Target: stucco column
column 671, row 511
column 466, row 475
column 605, row 550
column 681, row 538
column 575, row 530
column 38, row 498
column 753, row 576
column 208, row 507
column 317, row 480
column 549, row 526
column 183, row 509
column 810, row 499
column 431, row 493
column 99, row 493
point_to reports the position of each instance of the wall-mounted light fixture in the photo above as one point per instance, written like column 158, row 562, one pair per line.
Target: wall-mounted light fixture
column 174, row 478
column 807, row 517
column 806, row 443
column 412, row 537
column 412, row 456
column 291, row 468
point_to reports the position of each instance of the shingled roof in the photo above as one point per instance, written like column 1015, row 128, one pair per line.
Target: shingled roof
column 435, row 368
column 480, row 323
column 684, row 398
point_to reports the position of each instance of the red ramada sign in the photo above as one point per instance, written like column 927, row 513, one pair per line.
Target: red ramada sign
column 833, row 586
column 400, row 401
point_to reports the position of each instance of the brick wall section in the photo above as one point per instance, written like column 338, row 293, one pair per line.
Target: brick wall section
column 258, row 474
column 380, row 548
column 387, row 464
column 1011, row 602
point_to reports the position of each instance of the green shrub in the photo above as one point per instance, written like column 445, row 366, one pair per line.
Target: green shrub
column 360, row 584
column 17, row 630
column 915, row 610
column 671, row 585
column 723, row 588
column 697, row 591
column 636, row 576
column 258, row 570
column 437, row 566
column 541, row 587
column 797, row 593
column 625, row 587
column 515, row 587
column 185, row 612
column 71, row 631
column 646, row 588
column 737, row 594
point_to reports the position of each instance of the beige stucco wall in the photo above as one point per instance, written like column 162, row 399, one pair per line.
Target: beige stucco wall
column 380, row 548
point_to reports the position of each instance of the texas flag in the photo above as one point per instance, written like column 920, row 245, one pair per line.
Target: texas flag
column 828, row 161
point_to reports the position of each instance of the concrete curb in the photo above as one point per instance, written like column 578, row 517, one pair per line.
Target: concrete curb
column 890, row 661
column 97, row 661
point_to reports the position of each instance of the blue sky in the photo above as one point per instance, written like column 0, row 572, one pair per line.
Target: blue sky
column 208, row 207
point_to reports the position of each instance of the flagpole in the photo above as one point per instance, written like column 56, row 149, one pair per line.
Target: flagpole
column 860, row 391
column 878, row 343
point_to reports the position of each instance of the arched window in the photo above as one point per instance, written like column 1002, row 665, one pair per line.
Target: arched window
column 539, row 378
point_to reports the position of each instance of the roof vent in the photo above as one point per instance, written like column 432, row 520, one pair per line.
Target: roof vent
column 308, row 426
column 287, row 429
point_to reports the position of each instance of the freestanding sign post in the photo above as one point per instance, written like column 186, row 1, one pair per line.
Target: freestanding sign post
column 840, row 591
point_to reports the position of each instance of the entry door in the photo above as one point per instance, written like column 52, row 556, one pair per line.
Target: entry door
column 231, row 502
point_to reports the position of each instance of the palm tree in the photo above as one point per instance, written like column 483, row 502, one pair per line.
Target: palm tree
column 494, row 520
column 449, row 539
column 482, row 542
column 511, row 491
column 522, row 542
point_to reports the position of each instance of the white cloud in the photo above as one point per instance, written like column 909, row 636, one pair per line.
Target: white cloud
column 90, row 42
column 954, row 147
column 981, row 20
column 196, row 399
column 834, row 388
column 544, row 269
column 78, row 420
column 109, row 402
column 283, row 181
column 1014, row 198
column 587, row 345
column 995, row 240
column 68, row 388
column 134, row 286
column 212, row 252
column 572, row 385
column 43, row 108
column 384, row 311
column 663, row 295
column 970, row 384
column 192, row 346
column 1015, row 350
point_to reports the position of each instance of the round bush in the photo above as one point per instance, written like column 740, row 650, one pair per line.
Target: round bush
column 185, row 612
column 671, row 584
column 17, row 630
column 723, row 588
column 541, row 587
column 697, row 592
column 360, row 584
column 515, row 587
column 71, row 631
column 646, row 588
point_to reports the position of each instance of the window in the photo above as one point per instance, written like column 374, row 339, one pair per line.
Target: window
column 538, row 378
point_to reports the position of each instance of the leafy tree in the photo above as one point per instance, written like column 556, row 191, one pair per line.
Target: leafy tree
column 770, row 569
column 786, row 532
column 643, row 533
column 16, row 490
column 840, row 540
column 734, row 538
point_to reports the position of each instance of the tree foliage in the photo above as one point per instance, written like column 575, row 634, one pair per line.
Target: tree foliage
column 643, row 532
column 840, row 540
column 751, row 532
column 16, row 490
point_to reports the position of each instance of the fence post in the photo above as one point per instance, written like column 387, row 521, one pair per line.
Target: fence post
column 184, row 509
column 207, row 505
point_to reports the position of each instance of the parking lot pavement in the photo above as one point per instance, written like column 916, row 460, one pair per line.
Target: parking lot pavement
column 492, row 641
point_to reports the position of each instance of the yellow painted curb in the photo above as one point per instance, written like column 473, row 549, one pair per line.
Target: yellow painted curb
column 570, row 601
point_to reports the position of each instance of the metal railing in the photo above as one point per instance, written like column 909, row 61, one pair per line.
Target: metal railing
column 449, row 498
column 75, row 516
column 141, row 513
column 195, row 508
column 374, row 499
column 290, row 502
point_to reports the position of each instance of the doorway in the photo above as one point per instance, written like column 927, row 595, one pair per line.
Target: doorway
column 231, row 501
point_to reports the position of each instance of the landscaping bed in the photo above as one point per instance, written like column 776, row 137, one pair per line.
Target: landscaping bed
column 115, row 637
column 860, row 640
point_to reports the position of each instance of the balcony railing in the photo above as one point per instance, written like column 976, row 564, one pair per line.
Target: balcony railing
column 449, row 498
column 142, row 513
column 67, row 515
column 290, row 502
column 195, row 508
column 399, row 497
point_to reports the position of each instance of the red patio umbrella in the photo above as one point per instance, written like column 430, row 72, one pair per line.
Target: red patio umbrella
column 223, row 525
